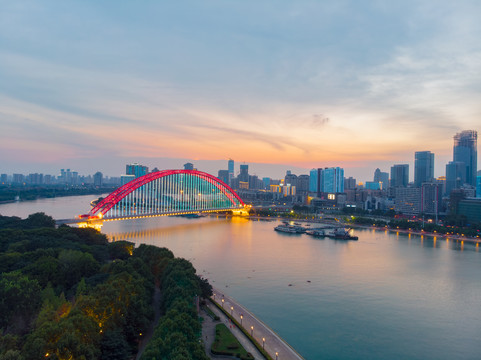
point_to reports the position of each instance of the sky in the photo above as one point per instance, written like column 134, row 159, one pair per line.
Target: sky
column 92, row 85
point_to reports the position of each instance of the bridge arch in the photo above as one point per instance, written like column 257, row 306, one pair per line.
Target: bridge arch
column 168, row 192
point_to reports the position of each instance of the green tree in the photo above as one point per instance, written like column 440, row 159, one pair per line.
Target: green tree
column 19, row 300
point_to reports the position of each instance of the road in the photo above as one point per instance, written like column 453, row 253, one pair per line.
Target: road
column 273, row 343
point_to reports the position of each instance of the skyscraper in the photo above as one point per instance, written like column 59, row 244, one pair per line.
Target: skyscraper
column 381, row 177
column 400, row 175
column 314, row 181
column 223, row 175
column 98, row 179
column 332, row 180
column 455, row 175
column 423, row 167
column 230, row 167
column 465, row 150
column 244, row 173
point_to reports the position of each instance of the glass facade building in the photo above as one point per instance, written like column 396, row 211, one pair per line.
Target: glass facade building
column 465, row 150
column 423, row 167
column 400, row 175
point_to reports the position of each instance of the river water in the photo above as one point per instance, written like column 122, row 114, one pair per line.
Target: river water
column 386, row 296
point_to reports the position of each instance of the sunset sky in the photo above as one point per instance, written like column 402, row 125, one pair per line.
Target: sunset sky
column 303, row 84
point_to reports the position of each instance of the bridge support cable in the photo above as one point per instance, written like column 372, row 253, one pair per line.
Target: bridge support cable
column 168, row 192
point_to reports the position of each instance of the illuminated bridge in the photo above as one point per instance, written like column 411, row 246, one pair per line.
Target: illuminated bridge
column 167, row 192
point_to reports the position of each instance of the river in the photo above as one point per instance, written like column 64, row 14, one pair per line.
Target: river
column 386, row 296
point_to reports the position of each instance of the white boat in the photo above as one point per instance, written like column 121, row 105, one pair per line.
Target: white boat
column 292, row 229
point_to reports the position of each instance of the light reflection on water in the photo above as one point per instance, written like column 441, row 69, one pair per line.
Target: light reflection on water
column 389, row 295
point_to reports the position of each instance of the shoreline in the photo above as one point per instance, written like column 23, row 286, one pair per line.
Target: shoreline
column 422, row 233
column 274, row 345
column 404, row 231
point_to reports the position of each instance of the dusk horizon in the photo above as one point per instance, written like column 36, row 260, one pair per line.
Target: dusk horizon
column 304, row 84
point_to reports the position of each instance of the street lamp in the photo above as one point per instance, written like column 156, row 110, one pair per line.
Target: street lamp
column 242, row 316
column 263, row 343
column 214, row 296
column 252, row 331
column 231, row 310
column 222, row 303
column 277, row 355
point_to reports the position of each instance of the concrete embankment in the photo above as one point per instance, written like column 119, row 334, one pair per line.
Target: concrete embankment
column 275, row 346
column 421, row 233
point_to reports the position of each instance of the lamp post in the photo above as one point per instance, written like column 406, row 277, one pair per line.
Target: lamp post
column 242, row 316
column 252, row 331
column 263, row 343
column 277, row 355
column 222, row 303
column 214, row 296
column 231, row 310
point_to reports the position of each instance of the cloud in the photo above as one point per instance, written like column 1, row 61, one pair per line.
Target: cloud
column 300, row 82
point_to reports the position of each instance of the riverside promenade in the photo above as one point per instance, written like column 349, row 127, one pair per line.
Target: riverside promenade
column 274, row 345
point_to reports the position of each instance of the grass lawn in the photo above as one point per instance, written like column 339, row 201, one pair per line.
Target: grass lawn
column 226, row 344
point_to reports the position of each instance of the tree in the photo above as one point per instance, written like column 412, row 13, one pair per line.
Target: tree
column 19, row 300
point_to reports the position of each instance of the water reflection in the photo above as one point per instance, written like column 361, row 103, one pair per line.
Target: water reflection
column 389, row 295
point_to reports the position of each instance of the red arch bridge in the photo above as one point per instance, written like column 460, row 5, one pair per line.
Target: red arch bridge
column 161, row 193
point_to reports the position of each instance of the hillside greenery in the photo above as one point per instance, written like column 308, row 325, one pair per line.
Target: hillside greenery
column 67, row 293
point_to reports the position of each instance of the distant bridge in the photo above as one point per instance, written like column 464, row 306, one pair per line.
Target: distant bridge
column 162, row 193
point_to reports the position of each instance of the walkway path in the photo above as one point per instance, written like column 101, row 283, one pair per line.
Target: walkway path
column 208, row 334
column 148, row 335
column 273, row 343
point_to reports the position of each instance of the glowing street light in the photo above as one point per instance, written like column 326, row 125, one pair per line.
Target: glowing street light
column 277, row 355
column 241, row 316
column 222, row 303
column 263, row 343
column 231, row 310
column 252, row 331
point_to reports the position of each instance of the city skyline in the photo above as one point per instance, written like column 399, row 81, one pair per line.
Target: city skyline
column 296, row 85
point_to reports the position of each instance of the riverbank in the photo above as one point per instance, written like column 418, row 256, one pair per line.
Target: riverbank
column 421, row 233
column 272, row 343
column 468, row 239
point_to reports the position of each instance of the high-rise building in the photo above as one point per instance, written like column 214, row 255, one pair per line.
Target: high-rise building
column 35, row 179
column 18, row 178
column 423, row 167
column 332, row 180
column 381, row 177
column 455, row 175
column 407, row 200
column 223, row 175
column 98, row 179
column 431, row 198
column 267, row 182
column 136, row 169
column 313, row 181
column 478, row 185
column 303, row 183
column 373, row 185
column 290, row 178
column 327, row 180
column 244, row 173
column 465, row 150
column 3, row 179
column 400, row 175
column 124, row 179
column 349, row 183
